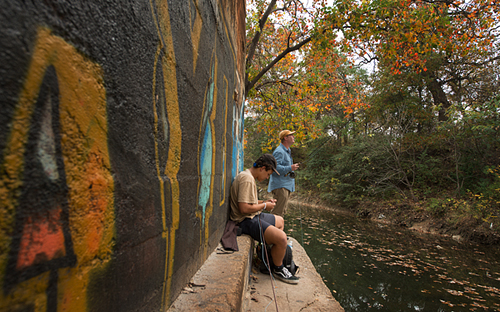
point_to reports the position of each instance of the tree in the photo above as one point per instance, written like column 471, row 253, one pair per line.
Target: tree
column 287, row 24
column 320, row 90
column 442, row 40
column 291, row 82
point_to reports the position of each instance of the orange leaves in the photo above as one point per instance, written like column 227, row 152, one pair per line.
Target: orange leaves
column 392, row 29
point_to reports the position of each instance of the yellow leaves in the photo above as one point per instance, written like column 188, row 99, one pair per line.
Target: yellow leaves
column 428, row 28
column 312, row 108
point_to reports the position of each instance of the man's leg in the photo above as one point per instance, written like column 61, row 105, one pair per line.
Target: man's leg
column 281, row 195
column 279, row 222
column 277, row 237
column 273, row 235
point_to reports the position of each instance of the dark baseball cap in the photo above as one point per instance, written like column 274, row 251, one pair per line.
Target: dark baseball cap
column 266, row 160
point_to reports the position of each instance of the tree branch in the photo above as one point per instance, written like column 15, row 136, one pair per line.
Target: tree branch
column 250, row 84
column 256, row 37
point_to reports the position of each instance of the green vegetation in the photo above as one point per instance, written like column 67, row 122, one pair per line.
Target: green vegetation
column 417, row 132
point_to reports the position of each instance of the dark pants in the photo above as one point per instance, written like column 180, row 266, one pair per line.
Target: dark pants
column 254, row 226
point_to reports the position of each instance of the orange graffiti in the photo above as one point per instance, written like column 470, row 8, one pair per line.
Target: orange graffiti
column 97, row 199
column 59, row 247
column 42, row 240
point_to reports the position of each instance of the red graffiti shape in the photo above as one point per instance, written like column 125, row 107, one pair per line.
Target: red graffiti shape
column 42, row 239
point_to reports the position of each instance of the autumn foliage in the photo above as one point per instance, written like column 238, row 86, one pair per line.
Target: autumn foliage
column 409, row 32
column 390, row 98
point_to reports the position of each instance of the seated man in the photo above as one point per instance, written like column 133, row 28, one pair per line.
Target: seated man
column 246, row 210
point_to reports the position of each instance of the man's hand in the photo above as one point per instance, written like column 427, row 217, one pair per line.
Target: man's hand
column 270, row 203
column 295, row 166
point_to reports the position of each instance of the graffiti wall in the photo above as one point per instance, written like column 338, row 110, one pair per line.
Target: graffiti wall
column 121, row 128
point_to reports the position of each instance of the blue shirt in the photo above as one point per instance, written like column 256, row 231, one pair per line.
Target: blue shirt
column 284, row 165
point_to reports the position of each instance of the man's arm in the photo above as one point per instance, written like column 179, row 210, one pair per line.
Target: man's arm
column 247, row 208
column 282, row 165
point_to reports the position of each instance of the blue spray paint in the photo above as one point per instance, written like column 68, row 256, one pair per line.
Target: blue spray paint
column 206, row 153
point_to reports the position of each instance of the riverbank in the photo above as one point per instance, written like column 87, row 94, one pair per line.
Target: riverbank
column 412, row 216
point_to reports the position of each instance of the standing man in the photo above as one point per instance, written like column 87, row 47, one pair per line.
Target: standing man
column 281, row 185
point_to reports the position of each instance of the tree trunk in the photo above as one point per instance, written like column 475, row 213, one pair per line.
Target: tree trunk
column 439, row 97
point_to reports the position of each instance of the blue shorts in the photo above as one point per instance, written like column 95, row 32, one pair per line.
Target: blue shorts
column 253, row 227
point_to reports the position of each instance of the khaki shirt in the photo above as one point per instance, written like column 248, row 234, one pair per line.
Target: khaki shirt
column 243, row 190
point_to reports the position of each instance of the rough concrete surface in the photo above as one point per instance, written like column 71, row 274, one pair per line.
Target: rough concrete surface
column 220, row 284
column 121, row 128
column 310, row 294
column 225, row 283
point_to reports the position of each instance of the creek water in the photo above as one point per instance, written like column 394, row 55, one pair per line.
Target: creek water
column 371, row 266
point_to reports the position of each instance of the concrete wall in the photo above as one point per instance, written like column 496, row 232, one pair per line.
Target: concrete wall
column 121, row 127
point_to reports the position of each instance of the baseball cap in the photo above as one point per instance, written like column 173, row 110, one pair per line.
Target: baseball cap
column 284, row 133
column 267, row 160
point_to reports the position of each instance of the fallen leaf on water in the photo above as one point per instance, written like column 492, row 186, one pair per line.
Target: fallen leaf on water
column 454, row 292
column 446, row 302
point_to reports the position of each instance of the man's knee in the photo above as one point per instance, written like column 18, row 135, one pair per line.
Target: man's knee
column 280, row 222
column 281, row 239
column 276, row 236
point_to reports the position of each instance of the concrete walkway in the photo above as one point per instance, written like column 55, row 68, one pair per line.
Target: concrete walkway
column 310, row 294
column 227, row 282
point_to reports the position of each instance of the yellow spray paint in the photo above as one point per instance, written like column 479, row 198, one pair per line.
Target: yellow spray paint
column 175, row 137
column 224, row 147
column 196, row 32
column 83, row 128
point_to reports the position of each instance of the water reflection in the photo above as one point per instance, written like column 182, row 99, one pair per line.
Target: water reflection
column 373, row 266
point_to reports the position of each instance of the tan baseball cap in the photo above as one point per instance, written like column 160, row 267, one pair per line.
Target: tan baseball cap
column 284, row 133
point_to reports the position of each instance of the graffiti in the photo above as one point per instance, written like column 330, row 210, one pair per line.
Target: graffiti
column 212, row 148
column 92, row 80
column 168, row 168
column 166, row 113
column 55, row 182
column 207, row 157
column 210, row 156
column 222, row 198
column 196, row 24
column 237, row 132
column 207, row 131
column 41, row 240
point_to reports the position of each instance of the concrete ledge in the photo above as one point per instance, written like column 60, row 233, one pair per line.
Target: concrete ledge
column 221, row 283
column 310, row 294
column 227, row 282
